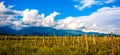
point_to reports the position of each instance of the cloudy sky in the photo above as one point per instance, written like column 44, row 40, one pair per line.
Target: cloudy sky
column 101, row 16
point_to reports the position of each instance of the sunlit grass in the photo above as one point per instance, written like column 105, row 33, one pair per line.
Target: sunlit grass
column 59, row 45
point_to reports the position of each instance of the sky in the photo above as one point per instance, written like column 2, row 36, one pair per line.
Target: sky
column 101, row 16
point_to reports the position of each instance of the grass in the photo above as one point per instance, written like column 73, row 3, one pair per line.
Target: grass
column 62, row 45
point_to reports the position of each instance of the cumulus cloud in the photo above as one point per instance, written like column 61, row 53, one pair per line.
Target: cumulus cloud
column 32, row 18
column 6, row 15
column 104, row 20
column 29, row 17
column 49, row 20
column 2, row 7
column 6, row 10
column 88, row 3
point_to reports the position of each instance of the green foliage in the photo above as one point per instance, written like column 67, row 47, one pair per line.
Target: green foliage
column 53, row 45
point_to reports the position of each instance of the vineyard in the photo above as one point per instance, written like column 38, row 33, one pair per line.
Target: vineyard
column 59, row 45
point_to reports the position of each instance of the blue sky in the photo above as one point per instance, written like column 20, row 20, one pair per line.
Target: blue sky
column 46, row 6
column 65, row 7
column 63, row 14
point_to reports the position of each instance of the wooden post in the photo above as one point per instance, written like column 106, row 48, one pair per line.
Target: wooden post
column 78, row 40
column 43, row 41
column 55, row 39
column 112, row 44
column 82, row 41
column 86, row 40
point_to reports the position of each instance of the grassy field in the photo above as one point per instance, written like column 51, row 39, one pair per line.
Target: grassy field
column 62, row 45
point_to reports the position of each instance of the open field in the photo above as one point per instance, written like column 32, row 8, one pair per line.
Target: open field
column 62, row 45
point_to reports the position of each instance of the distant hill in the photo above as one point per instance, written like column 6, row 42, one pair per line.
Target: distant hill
column 5, row 30
column 46, row 31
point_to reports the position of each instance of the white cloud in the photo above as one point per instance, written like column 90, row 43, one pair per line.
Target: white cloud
column 2, row 7
column 105, row 20
column 69, row 23
column 85, row 3
column 49, row 20
column 109, row 1
column 88, row 3
column 30, row 17
column 11, row 6
column 6, row 15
